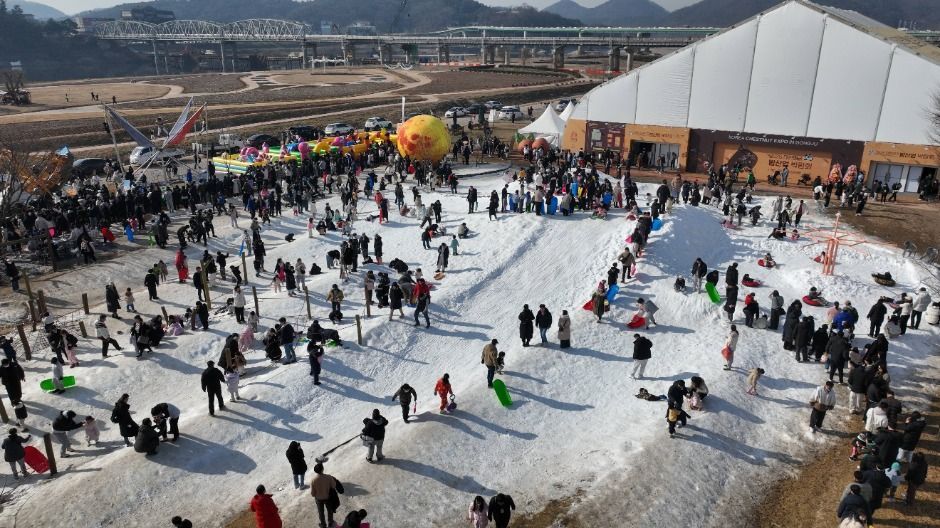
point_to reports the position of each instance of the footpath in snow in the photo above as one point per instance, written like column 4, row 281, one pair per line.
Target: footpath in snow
column 575, row 425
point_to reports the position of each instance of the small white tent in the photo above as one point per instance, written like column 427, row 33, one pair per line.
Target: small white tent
column 566, row 113
column 547, row 124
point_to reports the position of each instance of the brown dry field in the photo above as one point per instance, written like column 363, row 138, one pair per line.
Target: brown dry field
column 455, row 81
column 203, row 82
column 308, row 77
column 51, row 97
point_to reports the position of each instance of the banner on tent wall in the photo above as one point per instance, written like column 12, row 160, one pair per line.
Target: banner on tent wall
column 900, row 154
column 574, row 137
column 603, row 135
column 766, row 160
column 660, row 134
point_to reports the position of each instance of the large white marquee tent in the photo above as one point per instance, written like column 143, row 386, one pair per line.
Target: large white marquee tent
column 798, row 69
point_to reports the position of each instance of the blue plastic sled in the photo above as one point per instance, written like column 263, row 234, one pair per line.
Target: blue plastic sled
column 612, row 292
column 512, row 202
column 553, row 205
column 129, row 233
column 657, row 224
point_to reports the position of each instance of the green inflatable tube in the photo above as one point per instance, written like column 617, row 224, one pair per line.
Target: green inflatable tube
column 712, row 292
column 501, row 393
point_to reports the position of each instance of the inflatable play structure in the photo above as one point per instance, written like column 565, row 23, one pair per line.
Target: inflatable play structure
column 354, row 144
column 423, row 138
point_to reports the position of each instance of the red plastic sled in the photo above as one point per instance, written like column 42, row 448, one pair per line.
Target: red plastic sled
column 36, row 460
column 761, row 263
column 819, row 301
column 751, row 283
column 589, row 306
column 818, row 258
column 637, row 322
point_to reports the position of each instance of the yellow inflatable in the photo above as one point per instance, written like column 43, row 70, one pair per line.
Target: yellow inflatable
column 424, row 138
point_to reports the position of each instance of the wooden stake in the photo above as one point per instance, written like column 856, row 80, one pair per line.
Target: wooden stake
column 254, row 293
column 26, row 350
column 358, row 329
column 42, row 302
column 32, row 313
column 205, row 288
column 244, row 268
column 85, row 303
column 3, row 413
column 307, row 298
column 81, row 326
column 50, row 454
column 166, row 317
column 29, row 288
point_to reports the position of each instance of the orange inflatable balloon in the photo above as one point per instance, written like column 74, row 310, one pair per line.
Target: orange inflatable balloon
column 541, row 143
column 523, row 144
column 424, row 138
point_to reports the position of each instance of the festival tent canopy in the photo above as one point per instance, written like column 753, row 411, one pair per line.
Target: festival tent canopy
column 797, row 69
column 547, row 124
column 566, row 113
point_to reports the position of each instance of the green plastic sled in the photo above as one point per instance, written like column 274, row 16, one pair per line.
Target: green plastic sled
column 500, row 388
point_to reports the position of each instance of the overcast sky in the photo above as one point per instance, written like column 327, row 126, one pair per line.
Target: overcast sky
column 71, row 7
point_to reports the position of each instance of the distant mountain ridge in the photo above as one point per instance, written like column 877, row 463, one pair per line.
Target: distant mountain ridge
column 612, row 12
column 386, row 15
column 724, row 13
column 38, row 10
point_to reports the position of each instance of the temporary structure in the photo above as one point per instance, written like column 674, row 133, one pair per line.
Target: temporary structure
column 566, row 113
column 547, row 124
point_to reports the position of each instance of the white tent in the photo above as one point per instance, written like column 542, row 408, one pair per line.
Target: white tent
column 798, row 69
column 547, row 124
column 566, row 113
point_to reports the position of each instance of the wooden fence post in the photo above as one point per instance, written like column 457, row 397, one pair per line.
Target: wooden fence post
column 81, row 326
column 42, row 302
column 307, row 298
column 29, row 287
column 26, row 350
column 254, row 293
column 368, row 304
column 85, row 303
column 358, row 329
column 166, row 317
column 50, row 454
column 244, row 268
column 205, row 288
column 3, row 413
column 32, row 313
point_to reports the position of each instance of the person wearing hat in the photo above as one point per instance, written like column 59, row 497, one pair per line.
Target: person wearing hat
column 490, row 354
column 212, row 379
column 443, row 389
column 642, row 352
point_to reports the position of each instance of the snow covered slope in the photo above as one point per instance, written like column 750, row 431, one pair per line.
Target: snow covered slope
column 575, row 424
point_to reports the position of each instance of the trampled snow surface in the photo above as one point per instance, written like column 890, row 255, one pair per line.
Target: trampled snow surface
column 574, row 426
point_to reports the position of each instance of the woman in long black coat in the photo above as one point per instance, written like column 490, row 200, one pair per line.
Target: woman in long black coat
column 789, row 326
column 121, row 415
column 298, row 466
column 112, row 299
column 526, row 327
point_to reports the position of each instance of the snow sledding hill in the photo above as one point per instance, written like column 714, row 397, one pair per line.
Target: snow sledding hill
column 574, row 425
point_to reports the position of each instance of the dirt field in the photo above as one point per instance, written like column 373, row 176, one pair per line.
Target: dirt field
column 204, row 83
column 318, row 77
column 453, row 81
column 49, row 97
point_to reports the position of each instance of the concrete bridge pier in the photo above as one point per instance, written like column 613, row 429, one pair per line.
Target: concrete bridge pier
column 613, row 59
column 558, row 57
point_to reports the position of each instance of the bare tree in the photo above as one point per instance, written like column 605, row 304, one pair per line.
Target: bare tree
column 934, row 115
column 24, row 172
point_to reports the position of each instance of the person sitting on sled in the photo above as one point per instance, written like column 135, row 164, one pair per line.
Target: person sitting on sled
column 795, row 235
column 778, row 233
column 821, row 257
column 813, row 294
column 769, row 260
column 679, row 285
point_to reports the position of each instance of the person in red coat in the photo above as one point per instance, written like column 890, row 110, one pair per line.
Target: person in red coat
column 266, row 515
column 443, row 390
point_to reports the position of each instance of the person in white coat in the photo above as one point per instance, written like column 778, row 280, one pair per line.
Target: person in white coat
column 731, row 344
column 919, row 306
column 823, row 400
column 906, row 304
column 231, row 383
column 238, row 302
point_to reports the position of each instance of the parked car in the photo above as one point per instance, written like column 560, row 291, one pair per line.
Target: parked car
column 258, row 140
column 509, row 112
column 474, row 109
column 378, row 123
column 493, row 105
column 144, row 155
column 88, row 166
column 338, row 129
column 456, row 111
column 562, row 104
column 306, row 132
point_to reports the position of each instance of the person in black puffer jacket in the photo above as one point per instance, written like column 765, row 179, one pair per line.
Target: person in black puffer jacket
column 373, row 434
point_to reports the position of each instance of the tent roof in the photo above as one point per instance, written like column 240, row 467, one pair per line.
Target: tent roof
column 566, row 113
column 840, row 76
column 547, row 123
